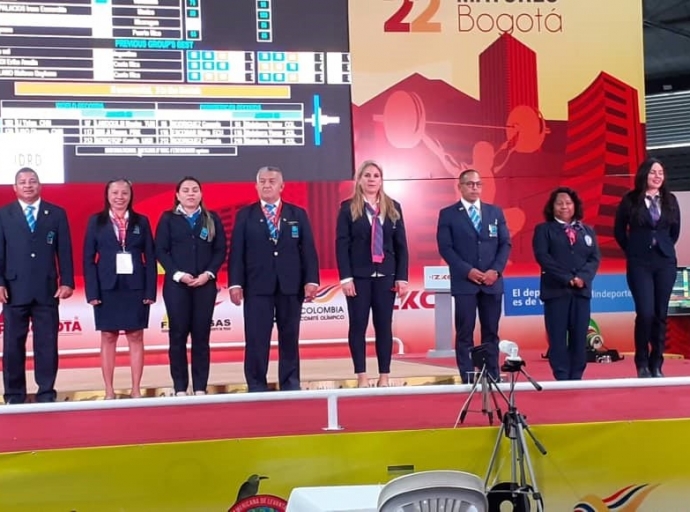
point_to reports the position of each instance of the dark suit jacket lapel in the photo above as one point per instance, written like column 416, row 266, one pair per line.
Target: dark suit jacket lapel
column 558, row 231
column 18, row 214
column 465, row 217
column 258, row 218
column 287, row 214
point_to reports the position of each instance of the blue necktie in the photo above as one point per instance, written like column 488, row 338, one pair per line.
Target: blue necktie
column 474, row 217
column 271, row 221
column 30, row 219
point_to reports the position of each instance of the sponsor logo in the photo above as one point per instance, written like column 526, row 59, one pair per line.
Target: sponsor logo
column 320, row 310
column 628, row 499
column 217, row 324
column 326, row 294
column 66, row 327
column 263, row 503
column 249, row 499
column 415, row 299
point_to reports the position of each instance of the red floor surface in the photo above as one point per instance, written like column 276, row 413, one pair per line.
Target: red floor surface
column 125, row 426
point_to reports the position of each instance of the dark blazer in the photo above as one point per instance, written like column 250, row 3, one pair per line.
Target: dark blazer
column 560, row 262
column 353, row 246
column 259, row 265
column 180, row 248
column 32, row 264
column 463, row 248
column 634, row 235
column 100, row 252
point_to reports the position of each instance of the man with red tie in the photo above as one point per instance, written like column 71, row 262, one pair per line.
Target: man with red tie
column 36, row 271
column 273, row 268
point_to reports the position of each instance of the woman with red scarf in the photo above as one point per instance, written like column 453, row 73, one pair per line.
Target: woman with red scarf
column 120, row 279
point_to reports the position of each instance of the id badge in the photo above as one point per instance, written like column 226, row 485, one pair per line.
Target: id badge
column 124, row 264
column 50, row 238
column 204, row 234
column 294, row 231
column 493, row 230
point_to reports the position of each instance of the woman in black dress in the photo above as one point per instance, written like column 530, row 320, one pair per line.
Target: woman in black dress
column 120, row 279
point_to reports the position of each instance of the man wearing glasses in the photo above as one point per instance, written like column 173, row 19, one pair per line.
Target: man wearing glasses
column 474, row 241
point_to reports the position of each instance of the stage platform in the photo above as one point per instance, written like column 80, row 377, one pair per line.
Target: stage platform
column 333, row 373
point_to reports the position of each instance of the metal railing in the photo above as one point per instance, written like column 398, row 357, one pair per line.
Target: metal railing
column 331, row 397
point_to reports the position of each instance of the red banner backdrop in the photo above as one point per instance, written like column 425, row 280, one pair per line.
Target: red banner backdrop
column 531, row 95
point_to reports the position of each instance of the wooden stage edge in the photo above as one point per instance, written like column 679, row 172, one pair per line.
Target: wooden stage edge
column 82, row 384
column 78, row 384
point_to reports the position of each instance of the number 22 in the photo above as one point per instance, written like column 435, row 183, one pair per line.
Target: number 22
column 422, row 23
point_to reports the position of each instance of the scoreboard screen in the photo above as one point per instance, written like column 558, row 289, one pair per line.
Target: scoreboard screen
column 158, row 89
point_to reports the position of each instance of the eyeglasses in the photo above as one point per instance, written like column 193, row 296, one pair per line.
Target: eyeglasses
column 472, row 184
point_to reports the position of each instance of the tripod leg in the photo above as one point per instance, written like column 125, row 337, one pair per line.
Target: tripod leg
column 536, row 494
column 539, row 446
column 466, row 405
column 486, row 400
column 499, row 415
column 494, row 456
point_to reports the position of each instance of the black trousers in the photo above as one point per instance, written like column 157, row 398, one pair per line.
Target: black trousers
column 651, row 281
column 488, row 306
column 190, row 312
column 374, row 294
column 45, row 321
column 259, row 314
column 567, row 319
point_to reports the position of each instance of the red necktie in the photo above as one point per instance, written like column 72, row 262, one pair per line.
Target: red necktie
column 376, row 233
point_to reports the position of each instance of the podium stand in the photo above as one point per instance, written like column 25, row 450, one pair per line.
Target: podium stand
column 437, row 280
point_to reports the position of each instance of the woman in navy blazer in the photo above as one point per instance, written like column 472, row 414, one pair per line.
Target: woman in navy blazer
column 568, row 254
column 120, row 279
column 191, row 247
column 372, row 255
column 647, row 227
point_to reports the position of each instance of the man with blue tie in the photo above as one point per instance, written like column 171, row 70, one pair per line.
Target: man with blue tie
column 274, row 268
column 474, row 241
column 36, row 271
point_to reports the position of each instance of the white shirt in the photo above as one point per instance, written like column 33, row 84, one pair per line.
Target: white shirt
column 649, row 203
column 477, row 204
column 36, row 205
column 115, row 228
column 277, row 205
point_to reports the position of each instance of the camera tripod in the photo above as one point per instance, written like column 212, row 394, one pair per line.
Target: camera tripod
column 523, row 484
column 487, row 384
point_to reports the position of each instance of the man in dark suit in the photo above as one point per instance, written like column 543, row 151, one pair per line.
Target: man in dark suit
column 274, row 268
column 474, row 241
column 36, row 271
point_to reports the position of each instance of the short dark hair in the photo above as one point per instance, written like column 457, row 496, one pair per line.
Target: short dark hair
column 579, row 208
column 464, row 173
column 25, row 170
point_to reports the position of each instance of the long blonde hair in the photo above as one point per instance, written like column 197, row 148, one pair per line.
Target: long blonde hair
column 386, row 204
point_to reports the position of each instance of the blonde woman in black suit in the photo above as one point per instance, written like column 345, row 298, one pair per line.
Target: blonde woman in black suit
column 372, row 255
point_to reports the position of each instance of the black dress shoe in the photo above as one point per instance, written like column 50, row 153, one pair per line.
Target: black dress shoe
column 656, row 372
column 644, row 373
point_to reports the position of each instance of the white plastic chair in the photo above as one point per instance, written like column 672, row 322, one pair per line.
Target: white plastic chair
column 434, row 491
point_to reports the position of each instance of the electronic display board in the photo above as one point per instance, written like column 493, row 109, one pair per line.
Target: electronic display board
column 158, row 89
